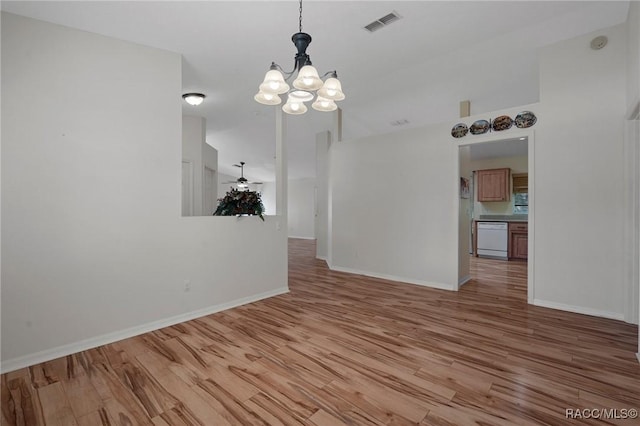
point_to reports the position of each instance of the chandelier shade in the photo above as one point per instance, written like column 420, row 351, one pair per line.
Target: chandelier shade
column 308, row 79
column 332, row 89
column 306, row 83
column 324, row 104
column 267, row 98
column 294, row 107
column 274, row 83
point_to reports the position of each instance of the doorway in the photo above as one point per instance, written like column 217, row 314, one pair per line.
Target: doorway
column 480, row 161
column 187, row 188
column 210, row 188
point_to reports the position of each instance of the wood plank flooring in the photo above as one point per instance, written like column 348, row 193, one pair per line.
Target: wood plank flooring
column 346, row 349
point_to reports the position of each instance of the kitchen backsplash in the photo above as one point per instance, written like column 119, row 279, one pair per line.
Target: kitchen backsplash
column 493, row 208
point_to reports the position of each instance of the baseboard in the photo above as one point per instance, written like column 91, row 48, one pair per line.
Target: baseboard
column 301, row 238
column 93, row 342
column 579, row 309
column 322, row 258
column 440, row 286
column 638, row 356
column 462, row 281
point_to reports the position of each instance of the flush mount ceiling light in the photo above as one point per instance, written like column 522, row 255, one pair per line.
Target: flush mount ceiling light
column 194, row 99
column 306, row 84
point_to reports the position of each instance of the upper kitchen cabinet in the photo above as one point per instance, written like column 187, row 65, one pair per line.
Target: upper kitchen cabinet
column 494, row 185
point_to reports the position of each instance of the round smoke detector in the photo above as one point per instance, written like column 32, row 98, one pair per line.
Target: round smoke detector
column 599, row 42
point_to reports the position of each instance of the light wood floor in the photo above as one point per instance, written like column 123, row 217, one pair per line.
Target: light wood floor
column 346, row 349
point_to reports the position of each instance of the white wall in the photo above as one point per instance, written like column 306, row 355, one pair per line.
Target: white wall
column 516, row 164
column 268, row 195
column 633, row 56
column 579, row 152
column 323, row 141
column 301, row 208
column 392, row 199
column 393, row 195
column 93, row 245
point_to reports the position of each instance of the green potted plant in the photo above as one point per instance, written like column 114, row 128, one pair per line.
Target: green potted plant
column 238, row 203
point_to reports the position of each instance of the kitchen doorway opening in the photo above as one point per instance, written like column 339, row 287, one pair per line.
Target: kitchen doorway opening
column 495, row 188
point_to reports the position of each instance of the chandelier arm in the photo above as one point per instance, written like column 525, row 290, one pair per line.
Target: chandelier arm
column 288, row 74
column 333, row 74
column 279, row 68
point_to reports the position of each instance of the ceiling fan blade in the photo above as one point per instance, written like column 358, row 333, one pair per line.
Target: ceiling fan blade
column 241, row 180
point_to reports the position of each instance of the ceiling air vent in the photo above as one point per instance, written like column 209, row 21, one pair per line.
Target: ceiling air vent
column 382, row 22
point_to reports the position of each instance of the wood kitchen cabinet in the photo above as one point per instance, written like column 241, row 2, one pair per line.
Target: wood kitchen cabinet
column 494, row 185
column 518, row 240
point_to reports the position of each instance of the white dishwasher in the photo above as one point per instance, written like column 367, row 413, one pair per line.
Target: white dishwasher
column 492, row 239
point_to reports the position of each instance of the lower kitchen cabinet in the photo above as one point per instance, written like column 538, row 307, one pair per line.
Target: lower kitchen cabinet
column 518, row 240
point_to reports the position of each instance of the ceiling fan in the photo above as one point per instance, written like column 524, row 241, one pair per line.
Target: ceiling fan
column 242, row 182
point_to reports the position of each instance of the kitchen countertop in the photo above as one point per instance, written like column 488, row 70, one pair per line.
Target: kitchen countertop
column 501, row 218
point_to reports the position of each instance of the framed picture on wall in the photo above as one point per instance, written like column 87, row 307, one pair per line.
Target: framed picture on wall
column 464, row 187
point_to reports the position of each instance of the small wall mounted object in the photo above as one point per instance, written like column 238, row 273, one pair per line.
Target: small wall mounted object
column 599, row 42
column 459, row 130
column 525, row 119
column 465, row 109
column 464, row 188
column 503, row 122
column 480, row 127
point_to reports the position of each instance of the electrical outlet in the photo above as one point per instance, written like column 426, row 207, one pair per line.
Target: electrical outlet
column 187, row 285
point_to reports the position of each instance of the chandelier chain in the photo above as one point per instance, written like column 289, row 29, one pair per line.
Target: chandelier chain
column 300, row 20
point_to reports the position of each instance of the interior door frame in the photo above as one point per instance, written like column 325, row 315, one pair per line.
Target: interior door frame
column 495, row 137
column 214, row 173
column 191, row 192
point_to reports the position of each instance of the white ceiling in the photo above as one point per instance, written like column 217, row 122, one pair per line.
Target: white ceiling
column 417, row 69
column 517, row 147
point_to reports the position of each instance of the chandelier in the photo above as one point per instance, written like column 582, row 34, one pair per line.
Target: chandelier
column 307, row 84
